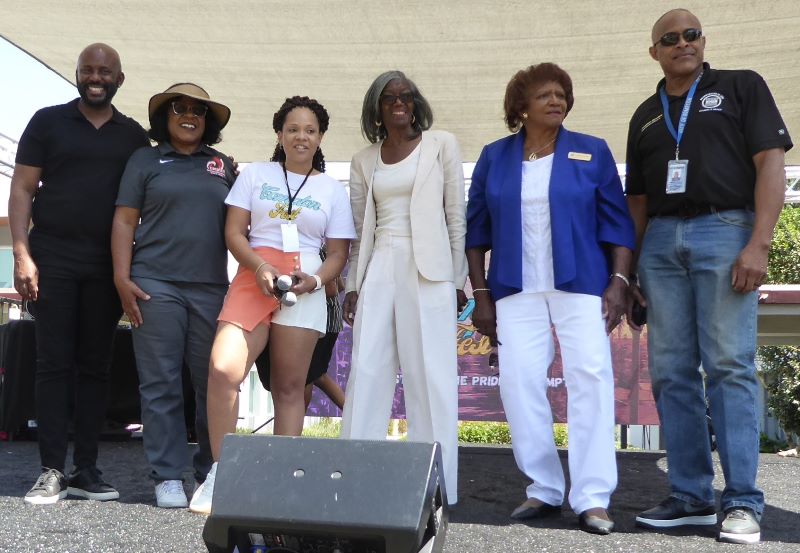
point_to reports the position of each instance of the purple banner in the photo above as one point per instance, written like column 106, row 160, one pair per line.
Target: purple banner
column 479, row 394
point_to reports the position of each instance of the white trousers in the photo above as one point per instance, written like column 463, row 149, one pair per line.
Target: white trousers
column 527, row 350
column 404, row 320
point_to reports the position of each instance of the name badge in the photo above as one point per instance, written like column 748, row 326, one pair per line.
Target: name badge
column 291, row 240
column 677, row 170
column 579, row 156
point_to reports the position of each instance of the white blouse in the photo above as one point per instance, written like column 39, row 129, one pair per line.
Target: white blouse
column 537, row 244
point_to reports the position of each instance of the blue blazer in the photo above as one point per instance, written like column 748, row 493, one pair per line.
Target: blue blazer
column 587, row 213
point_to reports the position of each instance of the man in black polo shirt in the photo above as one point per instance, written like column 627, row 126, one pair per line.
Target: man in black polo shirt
column 63, row 266
column 705, row 185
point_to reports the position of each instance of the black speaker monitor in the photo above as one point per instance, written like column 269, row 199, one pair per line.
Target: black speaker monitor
column 327, row 496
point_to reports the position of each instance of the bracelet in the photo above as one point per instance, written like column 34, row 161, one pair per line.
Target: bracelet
column 481, row 289
column 259, row 268
column 621, row 277
column 319, row 282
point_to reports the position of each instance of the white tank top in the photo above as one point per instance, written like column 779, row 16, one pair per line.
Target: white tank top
column 391, row 190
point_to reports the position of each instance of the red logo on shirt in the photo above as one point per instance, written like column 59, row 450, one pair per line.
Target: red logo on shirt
column 216, row 167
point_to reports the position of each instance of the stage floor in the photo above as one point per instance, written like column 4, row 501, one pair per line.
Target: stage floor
column 490, row 487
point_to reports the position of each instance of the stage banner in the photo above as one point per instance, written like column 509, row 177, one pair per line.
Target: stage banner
column 478, row 382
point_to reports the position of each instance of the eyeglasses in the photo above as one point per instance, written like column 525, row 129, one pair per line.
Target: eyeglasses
column 671, row 39
column 390, row 99
column 198, row 110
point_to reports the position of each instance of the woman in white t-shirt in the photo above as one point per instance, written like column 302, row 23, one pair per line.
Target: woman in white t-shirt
column 279, row 215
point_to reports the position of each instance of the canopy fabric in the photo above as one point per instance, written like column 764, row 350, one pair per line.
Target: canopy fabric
column 251, row 54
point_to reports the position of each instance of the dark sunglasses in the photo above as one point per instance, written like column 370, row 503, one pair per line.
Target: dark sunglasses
column 198, row 110
column 671, row 39
column 390, row 99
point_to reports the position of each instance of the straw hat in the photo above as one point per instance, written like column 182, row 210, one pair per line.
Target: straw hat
column 190, row 90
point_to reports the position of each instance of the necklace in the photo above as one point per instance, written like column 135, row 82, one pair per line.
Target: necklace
column 534, row 156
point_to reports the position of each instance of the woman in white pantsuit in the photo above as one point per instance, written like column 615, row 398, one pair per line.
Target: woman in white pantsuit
column 407, row 272
column 548, row 203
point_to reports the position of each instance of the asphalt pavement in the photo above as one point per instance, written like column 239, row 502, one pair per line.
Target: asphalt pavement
column 490, row 487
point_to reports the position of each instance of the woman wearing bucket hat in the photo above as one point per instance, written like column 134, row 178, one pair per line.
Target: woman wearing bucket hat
column 170, row 269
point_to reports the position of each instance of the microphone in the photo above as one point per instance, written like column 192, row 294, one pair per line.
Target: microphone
column 282, row 284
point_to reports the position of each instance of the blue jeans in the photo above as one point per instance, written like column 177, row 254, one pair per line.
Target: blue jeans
column 695, row 317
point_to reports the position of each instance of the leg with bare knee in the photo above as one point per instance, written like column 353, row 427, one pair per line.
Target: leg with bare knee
column 232, row 355
column 290, row 355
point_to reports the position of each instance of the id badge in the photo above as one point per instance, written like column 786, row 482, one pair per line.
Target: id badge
column 677, row 169
column 291, row 240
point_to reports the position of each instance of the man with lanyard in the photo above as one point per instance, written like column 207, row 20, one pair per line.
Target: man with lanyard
column 78, row 151
column 705, row 186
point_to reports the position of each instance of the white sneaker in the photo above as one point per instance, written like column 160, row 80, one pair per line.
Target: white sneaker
column 170, row 495
column 201, row 500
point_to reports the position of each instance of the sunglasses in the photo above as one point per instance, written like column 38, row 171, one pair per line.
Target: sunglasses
column 181, row 108
column 390, row 99
column 671, row 39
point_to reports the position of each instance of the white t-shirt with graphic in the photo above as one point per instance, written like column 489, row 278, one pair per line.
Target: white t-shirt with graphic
column 320, row 210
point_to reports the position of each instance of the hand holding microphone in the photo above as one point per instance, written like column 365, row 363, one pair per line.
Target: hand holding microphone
column 282, row 289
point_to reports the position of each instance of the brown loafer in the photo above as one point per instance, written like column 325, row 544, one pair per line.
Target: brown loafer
column 533, row 508
column 593, row 524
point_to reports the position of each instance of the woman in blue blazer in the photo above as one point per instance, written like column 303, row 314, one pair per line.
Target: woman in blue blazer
column 548, row 204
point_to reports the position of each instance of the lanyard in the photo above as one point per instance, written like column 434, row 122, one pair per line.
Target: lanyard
column 687, row 104
column 288, row 190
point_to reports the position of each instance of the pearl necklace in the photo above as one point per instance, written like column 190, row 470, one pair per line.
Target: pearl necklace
column 534, row 156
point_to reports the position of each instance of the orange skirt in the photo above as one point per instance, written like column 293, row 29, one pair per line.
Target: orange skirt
column 245, row 305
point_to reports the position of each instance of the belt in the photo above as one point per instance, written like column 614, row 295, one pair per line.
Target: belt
column 688, row 210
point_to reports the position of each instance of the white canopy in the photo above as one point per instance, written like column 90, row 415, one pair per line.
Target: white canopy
column 251, row 54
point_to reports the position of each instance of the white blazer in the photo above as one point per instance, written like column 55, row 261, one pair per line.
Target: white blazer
column 438, row 214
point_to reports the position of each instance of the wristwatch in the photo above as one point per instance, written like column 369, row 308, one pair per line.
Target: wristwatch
column 319, row 282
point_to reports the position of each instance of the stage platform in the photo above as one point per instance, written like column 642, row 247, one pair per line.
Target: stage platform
column 490, row 487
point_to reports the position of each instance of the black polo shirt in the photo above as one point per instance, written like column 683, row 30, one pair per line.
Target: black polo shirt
column 732, row 118
column 81, row 167
column 181, row 201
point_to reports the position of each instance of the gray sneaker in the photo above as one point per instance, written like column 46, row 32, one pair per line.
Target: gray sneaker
column 49, row 488
column 740, row 526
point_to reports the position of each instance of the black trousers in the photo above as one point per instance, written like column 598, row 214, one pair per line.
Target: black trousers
column 76, row 317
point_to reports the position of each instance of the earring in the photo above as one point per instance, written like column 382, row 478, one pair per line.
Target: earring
column 524, row 114
column 413, row 118
column 378, row 123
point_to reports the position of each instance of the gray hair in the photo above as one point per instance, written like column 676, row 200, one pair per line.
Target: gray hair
column 371, row 124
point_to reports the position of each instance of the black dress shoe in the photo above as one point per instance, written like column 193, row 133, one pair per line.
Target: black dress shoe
column 595, row 525
column 535, row 511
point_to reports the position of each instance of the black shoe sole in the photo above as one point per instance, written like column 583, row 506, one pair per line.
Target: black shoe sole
column 95, row 496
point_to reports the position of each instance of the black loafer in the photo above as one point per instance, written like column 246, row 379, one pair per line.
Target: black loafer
column 595, row 525
column 538, row 511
